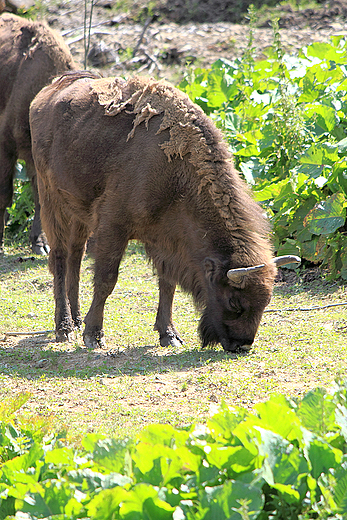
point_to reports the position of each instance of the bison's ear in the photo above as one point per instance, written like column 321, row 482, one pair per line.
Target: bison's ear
column 211, row 269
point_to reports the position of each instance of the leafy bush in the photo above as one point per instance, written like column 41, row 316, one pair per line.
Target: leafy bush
column 287, row 460
column 285, row 120
column 21, row 212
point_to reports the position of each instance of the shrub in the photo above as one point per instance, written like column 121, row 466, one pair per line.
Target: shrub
column 286, row 460
column 284, row 117
column 21, row 213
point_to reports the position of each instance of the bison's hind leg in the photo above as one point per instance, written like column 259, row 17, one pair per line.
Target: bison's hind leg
column 64, row 326
column 8, row 160
column 59, row 230
column 76, row 248
column 38, row 238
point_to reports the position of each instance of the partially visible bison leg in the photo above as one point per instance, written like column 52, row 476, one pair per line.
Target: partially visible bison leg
column 38, row 239
column 58, row 226
column 76, row 247
column 64, row 326
column 163, row 324
column 108, row 251
column 7, row 163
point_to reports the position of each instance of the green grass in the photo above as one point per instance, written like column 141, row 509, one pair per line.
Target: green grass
column 134, row 381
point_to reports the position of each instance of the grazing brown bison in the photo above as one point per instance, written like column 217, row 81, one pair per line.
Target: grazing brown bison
column 138, row 160
column 30, row 55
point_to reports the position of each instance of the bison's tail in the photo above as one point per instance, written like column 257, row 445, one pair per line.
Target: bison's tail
column 69, row 77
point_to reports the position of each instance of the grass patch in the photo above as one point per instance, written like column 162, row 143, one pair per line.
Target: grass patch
column 134, row 381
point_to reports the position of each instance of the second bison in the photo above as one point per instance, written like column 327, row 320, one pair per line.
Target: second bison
column 30, row 56
column 138, row 160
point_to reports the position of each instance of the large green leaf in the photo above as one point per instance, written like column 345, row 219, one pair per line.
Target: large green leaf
column 323, row 457
column 105, row 505
column 317, row 411
column 64, row 456
column 285, row 466
column 236, row 458
column 341, row 169
column 143, row 503
column 224, row 421
column 110, row 453
column 58, row 497
column 232, row 501
column 327, row 216
column 277, row 416
column 324, row 117
column 340, row 489
column 320, row 153
column 326, row 51
column 314, row 250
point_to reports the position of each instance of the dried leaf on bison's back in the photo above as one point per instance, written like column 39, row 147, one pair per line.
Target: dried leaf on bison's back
column 327, row 215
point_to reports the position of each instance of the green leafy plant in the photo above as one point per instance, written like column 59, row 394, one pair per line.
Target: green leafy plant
column 21, row 212
column 284, row 118
column 284, row 460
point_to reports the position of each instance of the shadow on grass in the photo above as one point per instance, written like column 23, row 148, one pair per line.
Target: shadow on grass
column 21, row 262
column 38, row 356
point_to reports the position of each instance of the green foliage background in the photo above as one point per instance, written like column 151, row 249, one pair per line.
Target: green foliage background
column 285, row 120
column 286, row 460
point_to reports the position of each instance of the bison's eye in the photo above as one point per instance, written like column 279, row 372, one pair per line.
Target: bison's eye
column 235, row 307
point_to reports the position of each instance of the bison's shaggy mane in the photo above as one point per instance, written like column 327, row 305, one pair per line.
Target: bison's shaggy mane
column 32, row 36
column 192, row 135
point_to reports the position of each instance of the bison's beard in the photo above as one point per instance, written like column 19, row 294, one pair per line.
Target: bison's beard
column 207, row 332
column 212, row 334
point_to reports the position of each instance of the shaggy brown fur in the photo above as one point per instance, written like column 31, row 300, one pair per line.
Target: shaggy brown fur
column 138, row 160
column 30, row 56
column 189, row 131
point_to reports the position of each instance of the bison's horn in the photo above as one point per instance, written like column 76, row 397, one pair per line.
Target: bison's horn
column 287, row 259
column 236, row 275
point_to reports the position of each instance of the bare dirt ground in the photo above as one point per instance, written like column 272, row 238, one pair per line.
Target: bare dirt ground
column 118, row 45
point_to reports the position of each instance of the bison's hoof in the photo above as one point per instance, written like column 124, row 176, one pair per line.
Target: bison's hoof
column 63, row 336
column 78, row 324
column 171, row 340
column 40, row 249
column 94, row 341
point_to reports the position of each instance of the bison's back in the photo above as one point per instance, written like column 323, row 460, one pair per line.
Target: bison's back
column 30, row 55
column 101, row 170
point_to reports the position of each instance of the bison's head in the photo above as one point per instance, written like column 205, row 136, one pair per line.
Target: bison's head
column 236, row 302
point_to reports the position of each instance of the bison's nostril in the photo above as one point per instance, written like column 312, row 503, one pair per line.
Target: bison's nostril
column 235, row 344
column 246, row 347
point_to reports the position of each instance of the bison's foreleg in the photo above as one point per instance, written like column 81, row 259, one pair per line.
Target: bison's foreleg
column 163, row 324
column 37, row 237
column 109, row 250
column 78, row 238
column 7, row 163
